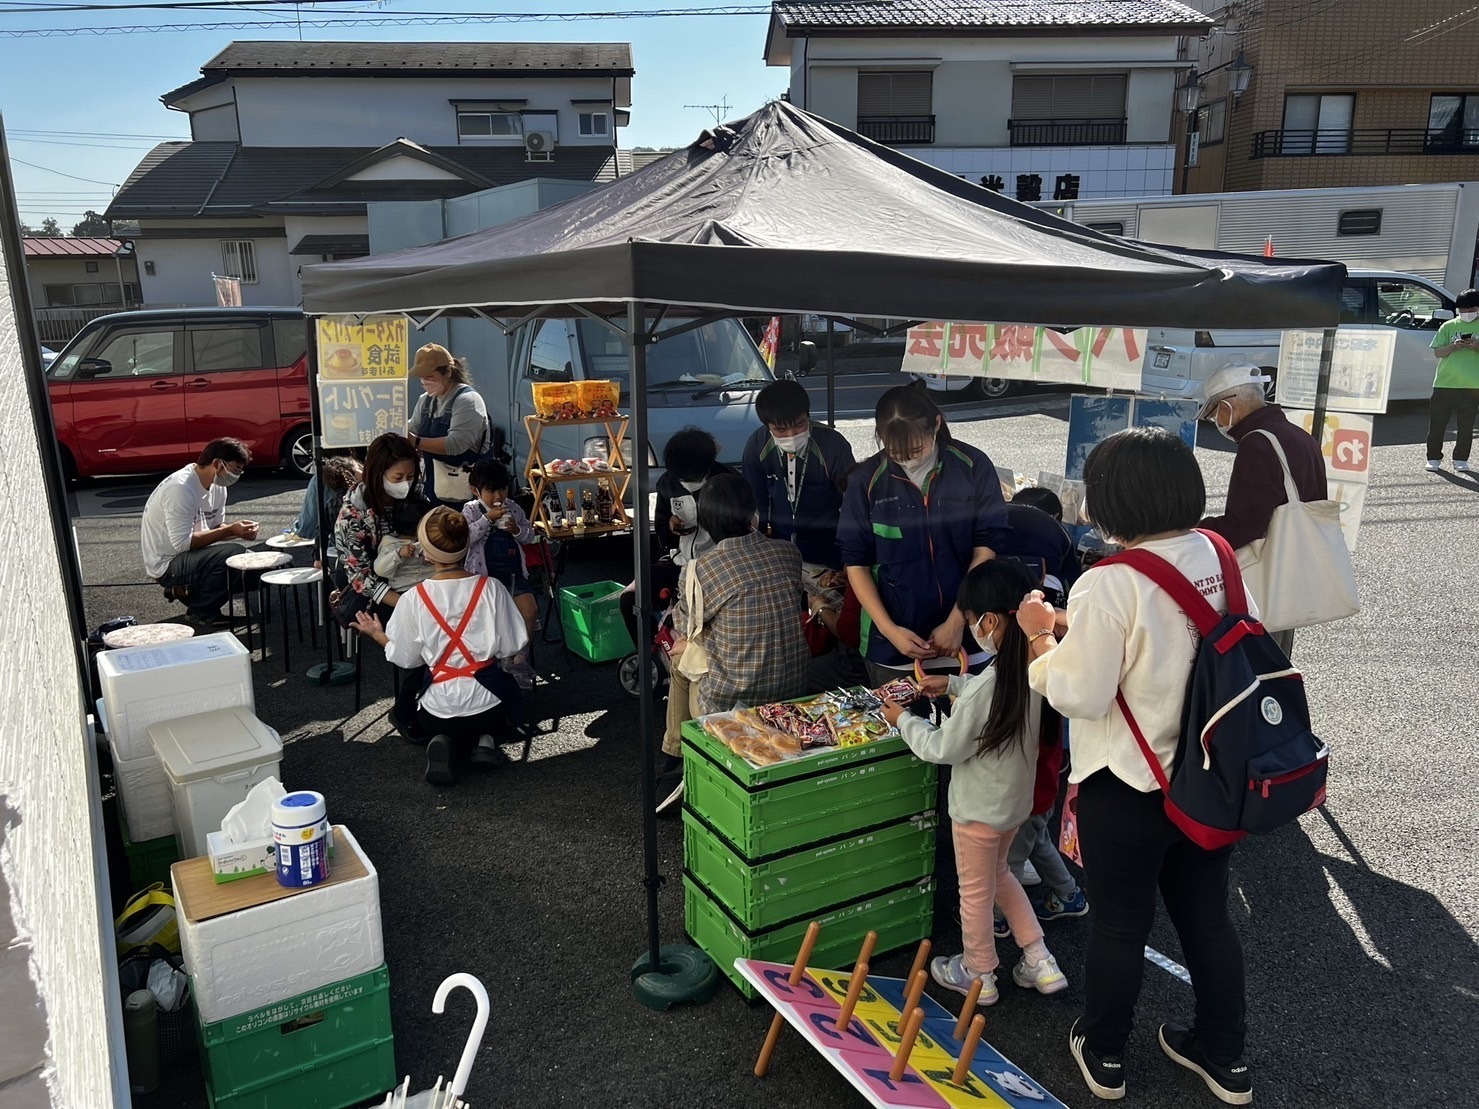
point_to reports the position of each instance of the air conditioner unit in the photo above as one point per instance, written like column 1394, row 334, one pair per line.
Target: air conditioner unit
column 539, row 142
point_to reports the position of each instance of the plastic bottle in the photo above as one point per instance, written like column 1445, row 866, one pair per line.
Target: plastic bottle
column 141, row 1041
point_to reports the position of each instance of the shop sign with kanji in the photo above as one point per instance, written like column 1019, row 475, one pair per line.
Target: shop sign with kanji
column 362, row 377
column 1104, row 357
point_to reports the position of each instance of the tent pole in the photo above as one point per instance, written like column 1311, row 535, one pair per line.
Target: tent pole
column 1322, row 386
column 831, row 374
column 324, row 673
column 662, row 976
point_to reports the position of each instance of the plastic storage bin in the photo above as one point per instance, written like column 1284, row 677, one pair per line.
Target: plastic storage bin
column 253, row 943
column 325, row 1049
column 144, row 792
column 146, row 685
column 211, row 761
column 765, row 811
column 591, row 615
column 901, row 917
column 765, row 894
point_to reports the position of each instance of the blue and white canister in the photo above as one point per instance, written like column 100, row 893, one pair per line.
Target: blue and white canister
column 300, row 831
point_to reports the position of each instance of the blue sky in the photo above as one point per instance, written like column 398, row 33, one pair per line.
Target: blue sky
column 103, row 87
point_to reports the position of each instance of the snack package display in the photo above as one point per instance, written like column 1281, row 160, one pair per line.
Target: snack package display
column 901, row 691
column 748, row 736
column 795, row 719
column 768, row 734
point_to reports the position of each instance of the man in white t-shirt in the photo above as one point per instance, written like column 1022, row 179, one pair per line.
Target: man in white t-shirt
column 184, row 538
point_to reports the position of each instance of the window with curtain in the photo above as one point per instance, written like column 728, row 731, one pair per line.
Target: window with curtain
column 1069, row 96
column 1318, row 123
column 1453, row 120
column 894, row 94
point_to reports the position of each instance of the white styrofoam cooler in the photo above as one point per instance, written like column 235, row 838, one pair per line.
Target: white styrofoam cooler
column 145, row 685
column 269, row 953
column 211, row 761
column 142, row 789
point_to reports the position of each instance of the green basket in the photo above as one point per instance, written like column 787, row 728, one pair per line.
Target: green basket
column 901, row 917
column 766, row 894
column 839, row 797
column 591, row 617
column 326, row 1049
column 148, row 862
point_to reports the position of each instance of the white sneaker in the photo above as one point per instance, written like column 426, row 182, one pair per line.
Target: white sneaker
column 1043, row 976
column 953, row 975
column 1437, row 464
column 1461, row 467
column 672, row 798
column 1030, row 876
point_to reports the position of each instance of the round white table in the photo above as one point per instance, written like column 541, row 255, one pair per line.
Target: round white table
column 250, row 566
column 289, row 542
column 148, row 635
column 287, row 581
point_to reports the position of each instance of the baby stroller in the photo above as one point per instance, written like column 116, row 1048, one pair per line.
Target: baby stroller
column 663, row 639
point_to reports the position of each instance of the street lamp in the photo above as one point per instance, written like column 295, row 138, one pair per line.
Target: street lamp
column 1240, row 73
column 1188, row 98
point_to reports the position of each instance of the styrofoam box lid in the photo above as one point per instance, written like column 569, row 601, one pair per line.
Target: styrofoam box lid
column 203, row 648
column 212, row 743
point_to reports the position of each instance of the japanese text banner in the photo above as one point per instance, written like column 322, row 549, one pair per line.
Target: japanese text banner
column 1104, row 357
column 362, row 377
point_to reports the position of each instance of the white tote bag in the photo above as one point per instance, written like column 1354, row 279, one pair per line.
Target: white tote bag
column 694, row 662
column 1300, row 574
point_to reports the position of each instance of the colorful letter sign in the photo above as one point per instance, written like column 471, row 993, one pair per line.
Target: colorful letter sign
column 1105, row 357
column 362, row 377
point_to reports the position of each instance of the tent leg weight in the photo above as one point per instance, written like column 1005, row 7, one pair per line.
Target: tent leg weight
column 684, row 975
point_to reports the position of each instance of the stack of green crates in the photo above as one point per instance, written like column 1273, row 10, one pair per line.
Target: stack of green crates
column 326, row 1049
column 148, row 862
column 845, row 837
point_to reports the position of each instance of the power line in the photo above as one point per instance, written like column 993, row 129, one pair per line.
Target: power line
column 59, row 173
column 86, row 134
column 91, row 145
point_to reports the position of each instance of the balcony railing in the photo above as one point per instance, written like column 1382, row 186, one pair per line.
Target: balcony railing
column 1396, row 140
column 898, row 130
column 1066, row 132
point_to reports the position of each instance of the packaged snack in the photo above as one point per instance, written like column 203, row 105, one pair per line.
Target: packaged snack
column 557, row 400
column 598, row 398
column 901, row 691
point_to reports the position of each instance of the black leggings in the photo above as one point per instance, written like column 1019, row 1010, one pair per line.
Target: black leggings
column 1461, row 405
column 1130, row 848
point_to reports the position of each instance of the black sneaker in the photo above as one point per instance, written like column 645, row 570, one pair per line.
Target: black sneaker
column 487, row 755
column 407, row 729
column 1231, row 1083
column 439, row 770
column 1103, row 1074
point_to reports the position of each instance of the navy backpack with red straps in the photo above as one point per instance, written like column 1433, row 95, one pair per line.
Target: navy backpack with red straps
column 1247, row 760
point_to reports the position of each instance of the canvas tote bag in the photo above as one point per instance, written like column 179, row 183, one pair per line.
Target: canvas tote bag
column 1300, row 574
column 694, row 662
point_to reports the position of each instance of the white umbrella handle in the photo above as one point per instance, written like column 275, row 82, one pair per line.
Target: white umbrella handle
column 479, row 1025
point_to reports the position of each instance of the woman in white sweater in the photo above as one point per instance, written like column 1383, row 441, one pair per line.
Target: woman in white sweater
column 990, row 740
column 1126, row 635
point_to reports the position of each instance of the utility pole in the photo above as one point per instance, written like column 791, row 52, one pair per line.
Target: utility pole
column 719, row 111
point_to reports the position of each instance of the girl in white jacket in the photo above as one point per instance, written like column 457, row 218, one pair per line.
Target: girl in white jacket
column 990, row 741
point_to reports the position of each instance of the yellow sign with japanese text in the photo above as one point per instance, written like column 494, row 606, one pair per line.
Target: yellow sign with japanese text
column 362, row 377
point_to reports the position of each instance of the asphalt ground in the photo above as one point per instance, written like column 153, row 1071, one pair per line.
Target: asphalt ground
column 1359, row 923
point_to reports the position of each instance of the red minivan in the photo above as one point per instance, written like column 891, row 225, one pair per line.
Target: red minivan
column 141, row 392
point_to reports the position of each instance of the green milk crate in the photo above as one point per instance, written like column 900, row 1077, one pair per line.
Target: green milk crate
column 329, row 1048
column 764, row 894
column 591, row 617
column 901, row 917
column 148, row 862
column 770, row 810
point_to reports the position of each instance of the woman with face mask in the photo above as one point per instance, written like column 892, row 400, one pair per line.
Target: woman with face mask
column 919, row 514
column 387, row 503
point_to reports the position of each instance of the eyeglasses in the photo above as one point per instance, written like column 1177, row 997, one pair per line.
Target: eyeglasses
column 238, row 469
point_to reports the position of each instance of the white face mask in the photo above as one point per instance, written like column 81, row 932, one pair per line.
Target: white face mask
column 1468, row 317
column 792, row 444
column 226, row 478
column 1224, row 430
column 398, row 490
column 692, row 486
column 983, row 639
column 918, row 467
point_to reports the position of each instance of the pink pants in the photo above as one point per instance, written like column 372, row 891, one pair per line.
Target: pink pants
column 985, row 879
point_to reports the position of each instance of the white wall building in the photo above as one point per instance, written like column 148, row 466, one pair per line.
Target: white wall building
column 289, row 141
column 1059, row 100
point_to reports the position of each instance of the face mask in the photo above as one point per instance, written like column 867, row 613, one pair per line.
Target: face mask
column 226, row 478
column 692, row 486
column 918, row 468
column 983, row 639
column 1468, row 317
column 398, row 490
column 1223, row 430
column 792, row 444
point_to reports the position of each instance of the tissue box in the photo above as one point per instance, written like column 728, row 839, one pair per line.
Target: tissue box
column 251, row 943
column 230, row 861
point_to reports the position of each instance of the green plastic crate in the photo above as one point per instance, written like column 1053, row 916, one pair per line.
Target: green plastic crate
column 901, row 917
column 765, row 894
column 148, row 862
column 591, row 617
column 766, row 811
column 326, row 1049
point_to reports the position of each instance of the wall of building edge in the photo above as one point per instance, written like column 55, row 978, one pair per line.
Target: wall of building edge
column 53, row 857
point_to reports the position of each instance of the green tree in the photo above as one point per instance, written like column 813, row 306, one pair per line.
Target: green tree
column 52, row 229
column 93, row 225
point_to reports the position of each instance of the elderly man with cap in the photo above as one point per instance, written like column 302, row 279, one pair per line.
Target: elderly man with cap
column 1237, row 405
column 449, row 425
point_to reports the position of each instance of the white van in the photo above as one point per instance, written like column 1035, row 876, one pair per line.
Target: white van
column 1178, row 361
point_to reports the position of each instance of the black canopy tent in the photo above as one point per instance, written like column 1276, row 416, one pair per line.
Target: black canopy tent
column 785, row 212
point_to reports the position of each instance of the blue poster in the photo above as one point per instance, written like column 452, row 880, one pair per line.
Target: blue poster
column 1092, row 418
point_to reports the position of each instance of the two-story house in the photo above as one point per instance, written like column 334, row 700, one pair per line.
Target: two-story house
column 1363, row 92
column 1060, row 99
column 290, row 140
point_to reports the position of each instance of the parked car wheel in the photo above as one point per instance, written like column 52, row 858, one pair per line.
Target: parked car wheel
column 990, row 388
column 297, row 451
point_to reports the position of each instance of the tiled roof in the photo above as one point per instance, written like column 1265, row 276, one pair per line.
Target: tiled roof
column 627, row 162
column 221, row 179
column 462, row 58
column 44, row 247
column 986, row 14
column 345, row 246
